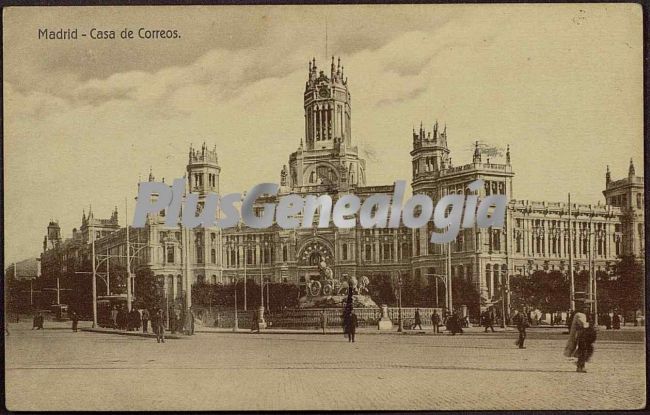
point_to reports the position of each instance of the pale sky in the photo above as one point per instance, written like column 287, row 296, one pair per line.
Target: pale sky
column 84, row 119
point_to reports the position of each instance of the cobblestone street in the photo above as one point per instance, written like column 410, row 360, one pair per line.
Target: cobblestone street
column 56, row 369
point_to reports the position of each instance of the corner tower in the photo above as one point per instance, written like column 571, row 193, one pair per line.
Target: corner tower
column 430, row 156
column 203, row 171
column 627, row 193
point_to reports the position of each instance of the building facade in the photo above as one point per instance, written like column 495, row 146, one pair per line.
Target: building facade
column 536, row 235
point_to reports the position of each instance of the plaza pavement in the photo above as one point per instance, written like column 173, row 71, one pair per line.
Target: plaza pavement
column 56, row 369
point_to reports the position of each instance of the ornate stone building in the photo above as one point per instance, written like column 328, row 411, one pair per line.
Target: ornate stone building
column 536, row 235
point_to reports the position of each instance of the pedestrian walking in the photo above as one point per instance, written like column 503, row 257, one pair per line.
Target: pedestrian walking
column 255, row 325
column 35, row 322
column 176, row 320
column 158, row 326
column 135, row 320
column 616, row 321
column 114, row 317
column 75, row 321
column 351, row 326
column 145, row 321
column 569, row 318
column 435, row 321
column 581, row 338
column 323, row 321
column 459, row 322
column 121, row 319
column 453, row 323
column 522, row 322
column 189, row 323
column 488, row 319
column 417, row 321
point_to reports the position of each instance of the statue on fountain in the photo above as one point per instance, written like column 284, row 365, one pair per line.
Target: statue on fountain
column 331, row 292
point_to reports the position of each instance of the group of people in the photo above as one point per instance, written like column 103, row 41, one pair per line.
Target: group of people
column 122, row 319
column 613, row 321
column 135, row 319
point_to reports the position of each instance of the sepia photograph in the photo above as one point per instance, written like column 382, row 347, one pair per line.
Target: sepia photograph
column 324, row 207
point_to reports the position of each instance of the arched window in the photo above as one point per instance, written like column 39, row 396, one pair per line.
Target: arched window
column 285, row 253
column 368, row 253
column 344, row 252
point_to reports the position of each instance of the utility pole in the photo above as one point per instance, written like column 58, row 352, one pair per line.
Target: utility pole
column 108, row 275
column 261, row 322
column 399, row 309
column 128, row 259
column 591, row 274
column 450, row 304
column 92, row 235
column 572, row 289
column 58, row 291
column 236, row 324
column 245, row 276
column 188, row 283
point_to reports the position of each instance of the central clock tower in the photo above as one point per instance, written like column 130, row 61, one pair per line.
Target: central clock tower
column 327, row 107
column 327, row 162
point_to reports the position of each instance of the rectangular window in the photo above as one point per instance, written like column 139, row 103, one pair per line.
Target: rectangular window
column 368, row 253
column 213, row 256
column 170, row 254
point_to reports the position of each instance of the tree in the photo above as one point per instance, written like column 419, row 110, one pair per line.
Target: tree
column 382, row 291
column 546, row 291
column 464, row 292
column 628, row 288
column 148, row 291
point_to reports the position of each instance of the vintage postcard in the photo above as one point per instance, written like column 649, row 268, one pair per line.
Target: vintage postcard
column 324, row 207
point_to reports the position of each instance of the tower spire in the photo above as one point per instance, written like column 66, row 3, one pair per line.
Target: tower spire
column 477, row 153
column 630, row 171
column 326, row 41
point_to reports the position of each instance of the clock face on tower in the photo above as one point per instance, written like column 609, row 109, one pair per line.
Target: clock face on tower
column 324, row 92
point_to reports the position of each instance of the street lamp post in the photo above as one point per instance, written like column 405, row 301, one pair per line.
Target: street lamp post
column 572, row 287
column 504, row 293
column 400, row 328
column 236, row 323
column 600, row 234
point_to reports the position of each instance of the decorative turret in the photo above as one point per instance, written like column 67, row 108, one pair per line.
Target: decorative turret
column 630, row 171
column 508, row 154
column 114, row 215
column 608, row 176
column 283, row 176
